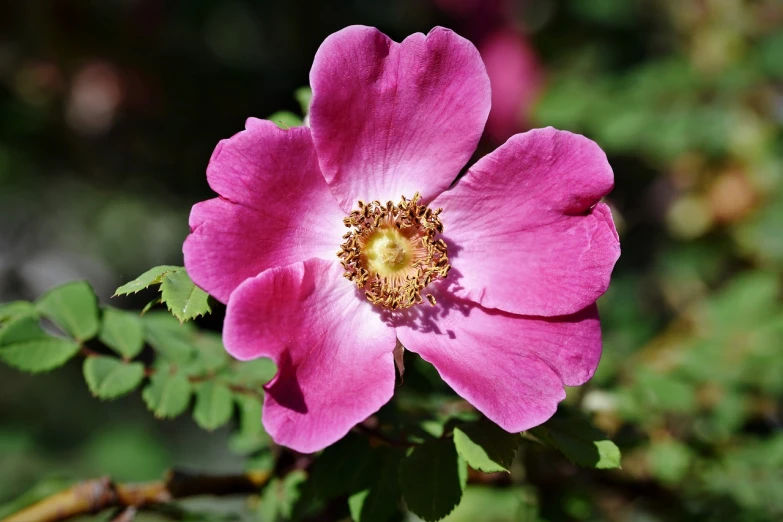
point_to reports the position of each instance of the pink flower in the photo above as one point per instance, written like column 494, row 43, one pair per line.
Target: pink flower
column 325, row 284
column 517, row 79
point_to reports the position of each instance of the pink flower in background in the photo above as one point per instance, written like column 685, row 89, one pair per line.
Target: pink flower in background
column 330, row 243
column 517, row 80
column 515, row 72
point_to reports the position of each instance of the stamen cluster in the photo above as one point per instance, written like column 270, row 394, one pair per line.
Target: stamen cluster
column 392, row 251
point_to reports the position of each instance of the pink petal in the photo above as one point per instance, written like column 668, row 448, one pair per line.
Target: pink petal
column 525, row 230
column 275, row 209
column 333, row 352
column 392, row 119
column 511, row 368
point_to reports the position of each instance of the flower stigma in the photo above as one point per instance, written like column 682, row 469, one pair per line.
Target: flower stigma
column 392, row 251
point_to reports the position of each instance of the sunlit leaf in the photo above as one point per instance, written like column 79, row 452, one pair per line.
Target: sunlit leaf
column 580, row 442
column 153, row 276
column 183, row 298
column 485, row 446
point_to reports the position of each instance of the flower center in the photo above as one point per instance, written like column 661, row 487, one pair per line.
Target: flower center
column 392, row 252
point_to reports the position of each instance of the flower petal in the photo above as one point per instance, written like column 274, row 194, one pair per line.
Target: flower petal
column 275, row 209
column 392, row 119
column 333, row 352
column 511, row 368
column 526, row 233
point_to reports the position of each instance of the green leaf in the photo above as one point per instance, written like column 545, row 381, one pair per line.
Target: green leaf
column 343, row 467
column 213, row 405
column 281, row 495
column 148, row 306
column 153, row 276
column 485, row 446
column 168, row 394
column 251, row 435
column 378, row 501
column 73, row 307
column 253, row 373
column 304, row 95
column 169, row 338
column 669, row 460
column 122, row 332
column 433, row 478
column 285, row 119
column 498, row 504
column 109, row 378
column 25, row 346
column 210, row 355
column 183, row 298
column 580, row 442
column 16, row 309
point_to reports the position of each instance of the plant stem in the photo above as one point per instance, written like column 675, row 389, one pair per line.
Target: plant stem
column 96, row 495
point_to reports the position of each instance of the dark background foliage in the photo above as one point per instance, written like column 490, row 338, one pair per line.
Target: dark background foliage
column 110, row 109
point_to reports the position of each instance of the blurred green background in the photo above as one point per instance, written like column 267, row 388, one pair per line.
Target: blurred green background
column 110, row 109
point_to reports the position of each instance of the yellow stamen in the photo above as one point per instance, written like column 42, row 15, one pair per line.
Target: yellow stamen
column 391, row 251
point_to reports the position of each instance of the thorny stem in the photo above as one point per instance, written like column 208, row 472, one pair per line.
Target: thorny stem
column 95, row 495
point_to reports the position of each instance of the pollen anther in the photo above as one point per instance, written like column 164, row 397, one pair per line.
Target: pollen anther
column 391, row 251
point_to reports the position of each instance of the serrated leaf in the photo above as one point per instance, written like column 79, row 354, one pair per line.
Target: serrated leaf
column 73, row 307
column 153, row 276
column 122, row 332
column 182, row 297
column 213, row 405
column 16, row 309
column 378, row 500
column 433, row 478
column 169, row 338
column 581, row 442
column 251, row 435
column 168, row 394
column 285, row 119
column 109, row 378
column 26, row 347
column 485, row 446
